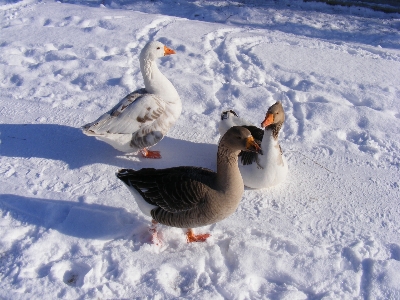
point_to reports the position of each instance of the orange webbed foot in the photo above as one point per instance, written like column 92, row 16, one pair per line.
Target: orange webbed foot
column 191, row 237
column 154, row 236
column 150, row 154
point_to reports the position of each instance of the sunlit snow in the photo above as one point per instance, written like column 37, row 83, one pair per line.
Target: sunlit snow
column 71, row 230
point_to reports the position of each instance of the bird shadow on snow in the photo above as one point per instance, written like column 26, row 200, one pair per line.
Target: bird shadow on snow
column 70, row 145
column 82, row 220
column 57, row 142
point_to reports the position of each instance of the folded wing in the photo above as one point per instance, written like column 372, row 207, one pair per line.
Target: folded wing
column 136, row 111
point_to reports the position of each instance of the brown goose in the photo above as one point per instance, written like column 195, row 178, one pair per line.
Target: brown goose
column 188, row 197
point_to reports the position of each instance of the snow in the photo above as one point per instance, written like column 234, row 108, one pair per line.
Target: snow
column 71, row 230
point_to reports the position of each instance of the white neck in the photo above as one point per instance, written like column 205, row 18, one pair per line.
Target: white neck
column 270, row 148
column 156, row 83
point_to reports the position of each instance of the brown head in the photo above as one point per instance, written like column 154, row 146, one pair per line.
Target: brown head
column 275, row 115
column 239, row 138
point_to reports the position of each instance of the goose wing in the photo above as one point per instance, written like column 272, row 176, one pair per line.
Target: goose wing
column 136, row 110
column 247, row 158
column 173, row 189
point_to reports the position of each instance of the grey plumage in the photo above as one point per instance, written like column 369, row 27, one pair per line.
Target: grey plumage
column 188, row 197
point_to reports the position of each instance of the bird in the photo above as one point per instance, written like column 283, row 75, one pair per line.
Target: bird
column 189, row 197
column 270, row 168
column 143, row 117
column 230, row 118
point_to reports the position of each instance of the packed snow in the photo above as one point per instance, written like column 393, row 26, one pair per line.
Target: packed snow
column 71, row 230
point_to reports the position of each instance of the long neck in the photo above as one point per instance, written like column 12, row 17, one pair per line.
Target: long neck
column 270, row 145
column 156, row 83
column 228, row 174
column 274, row 128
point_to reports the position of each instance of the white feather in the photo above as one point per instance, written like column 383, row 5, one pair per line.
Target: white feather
column 144, row 117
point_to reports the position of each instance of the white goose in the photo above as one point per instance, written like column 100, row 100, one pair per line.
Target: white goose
column 270, row 168
column 142, row 118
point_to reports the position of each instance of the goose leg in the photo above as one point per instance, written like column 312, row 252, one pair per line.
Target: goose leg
column 153, row 230
column 150, row 154
column 191, row 237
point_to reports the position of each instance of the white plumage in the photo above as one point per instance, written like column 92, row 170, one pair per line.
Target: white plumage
column 142, row 118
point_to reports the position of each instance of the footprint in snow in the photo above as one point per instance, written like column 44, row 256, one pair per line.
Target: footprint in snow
column 365, row 141
column 69, row 272
column 395, row 251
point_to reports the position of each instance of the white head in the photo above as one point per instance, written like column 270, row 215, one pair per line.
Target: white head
column 154, row 50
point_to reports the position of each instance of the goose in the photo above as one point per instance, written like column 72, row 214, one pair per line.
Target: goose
column 229, row 119
column 270, row 168
column 189, row 197
column 142, row 118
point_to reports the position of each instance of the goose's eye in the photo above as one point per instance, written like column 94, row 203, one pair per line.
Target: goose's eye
column 158, row 48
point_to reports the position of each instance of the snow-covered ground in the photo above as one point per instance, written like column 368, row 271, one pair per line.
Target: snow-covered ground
column 71, row 230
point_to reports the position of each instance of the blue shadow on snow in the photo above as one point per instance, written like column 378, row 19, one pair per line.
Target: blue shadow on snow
column 82, row 220
column 70, row 145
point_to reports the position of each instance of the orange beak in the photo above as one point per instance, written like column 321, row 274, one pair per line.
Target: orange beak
column 269, row 119
column 168, row 51
column 252, row 146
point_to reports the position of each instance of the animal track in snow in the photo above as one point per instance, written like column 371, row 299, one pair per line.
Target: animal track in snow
column 77, row 21
column 177, row 282
column 72, row 273
column 301, row 242
column 229, row 53
column 296, row 109
column 365, row 141
column 370, row 262
column 56, row 66
column 275, row 244
column 17, row 79
column 67, row 21
column 395, row 251
column 352, row 258
column 241, row 80
column 321, row 151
